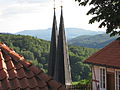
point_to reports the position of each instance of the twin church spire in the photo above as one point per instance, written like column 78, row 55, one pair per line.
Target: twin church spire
column 53, row 47
column 59, row 64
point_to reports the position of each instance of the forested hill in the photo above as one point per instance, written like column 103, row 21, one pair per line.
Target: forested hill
column 37, row 51
column 46, row 33
column 92, row 41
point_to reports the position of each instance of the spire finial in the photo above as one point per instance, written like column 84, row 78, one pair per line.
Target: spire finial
column 54, row 4
column 61, row 3
column 62, row 72
column 53, row 46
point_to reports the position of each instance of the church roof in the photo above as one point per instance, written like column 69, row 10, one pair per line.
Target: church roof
column 18, row 74
column 109, row 56
column 62, row 71
column 53, row 47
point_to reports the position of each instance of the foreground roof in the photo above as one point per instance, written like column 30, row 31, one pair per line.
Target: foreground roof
column 109, row 56
column 18, row 74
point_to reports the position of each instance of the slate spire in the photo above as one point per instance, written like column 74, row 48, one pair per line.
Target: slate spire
column 53, row 47
column 62, row 71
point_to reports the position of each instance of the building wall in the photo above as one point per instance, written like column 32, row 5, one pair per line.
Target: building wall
column 110, row 70
column 95, row 77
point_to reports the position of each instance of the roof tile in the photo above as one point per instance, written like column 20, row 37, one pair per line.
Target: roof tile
column 32, row 82
column 29, row 74
column 18, row 74
column 9, row 65
column 53, row 83
column 24, row 83
column 108, row 56
column 18, row 66
column 14, row 83
column 41, row 83
column 2, row 63
column 21, row 74
column 44, row 77
column 1, row 86
column 45, row 88
column 5, row 84
column 62, row 88
column 35, row 70
column 3, row 74
column 12, row 74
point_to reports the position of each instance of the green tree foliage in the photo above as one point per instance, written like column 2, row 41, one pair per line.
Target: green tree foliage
column 30, row 47
column 80, row 70
column 37, row 51
column 92, row 41
column 107, row 12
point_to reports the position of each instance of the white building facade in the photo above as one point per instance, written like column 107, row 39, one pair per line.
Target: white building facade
column 105, row 78
column 106, row 67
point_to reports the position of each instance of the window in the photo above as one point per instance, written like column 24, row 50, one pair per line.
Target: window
column 117, row 80
column 102, row 78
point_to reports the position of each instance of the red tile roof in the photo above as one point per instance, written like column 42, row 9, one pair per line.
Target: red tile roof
column 108, row 56
column 18, row 74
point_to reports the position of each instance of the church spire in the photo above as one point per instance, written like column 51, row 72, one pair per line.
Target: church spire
column 53, row 46
column 62, row 71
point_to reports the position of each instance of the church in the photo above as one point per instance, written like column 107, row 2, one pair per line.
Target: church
column 59, row 64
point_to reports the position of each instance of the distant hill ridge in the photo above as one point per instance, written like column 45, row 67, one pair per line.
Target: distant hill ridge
column 92, row 41
column 46, row 33
column 6, row 33
column 75, row 36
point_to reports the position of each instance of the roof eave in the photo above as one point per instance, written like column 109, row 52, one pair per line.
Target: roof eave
column 104, row 65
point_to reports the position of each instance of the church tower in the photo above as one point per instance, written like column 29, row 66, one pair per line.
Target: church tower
column 53, row 47
column 62, row 72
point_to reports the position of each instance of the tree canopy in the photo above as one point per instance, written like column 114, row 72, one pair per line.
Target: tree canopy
column 107, row 12
column 37, row 51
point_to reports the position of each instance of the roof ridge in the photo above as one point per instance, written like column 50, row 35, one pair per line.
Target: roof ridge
column 11, row 52
column 3, row 73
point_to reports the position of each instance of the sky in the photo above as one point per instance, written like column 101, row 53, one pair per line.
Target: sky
column 19, row 15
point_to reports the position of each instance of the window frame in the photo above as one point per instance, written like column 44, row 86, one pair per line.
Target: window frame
column 102, row 78
column 117, row 79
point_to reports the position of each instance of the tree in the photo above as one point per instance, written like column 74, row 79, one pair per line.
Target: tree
column 107, row 12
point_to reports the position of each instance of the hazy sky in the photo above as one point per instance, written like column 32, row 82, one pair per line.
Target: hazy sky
column 19, row 15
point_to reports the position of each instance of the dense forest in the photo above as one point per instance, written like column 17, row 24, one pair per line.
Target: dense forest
column 37, row 51
column 92, row 41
